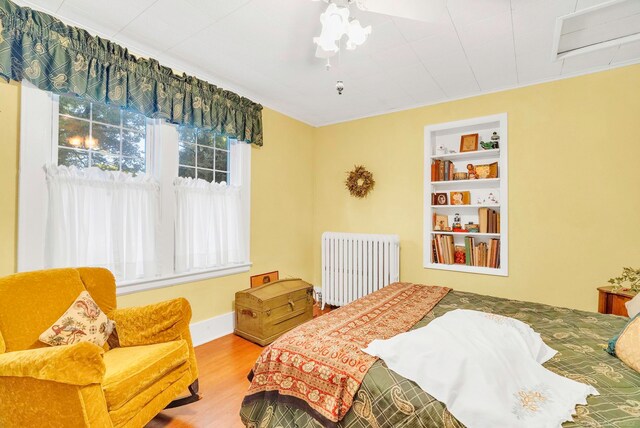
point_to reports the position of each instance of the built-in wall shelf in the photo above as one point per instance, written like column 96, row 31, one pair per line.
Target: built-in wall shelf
column 485, row 183
column 487, row 198
column 480, row 154
column 455, row 207
column 439, row 232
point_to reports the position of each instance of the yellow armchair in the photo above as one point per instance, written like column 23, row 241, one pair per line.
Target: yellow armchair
column 84, row 385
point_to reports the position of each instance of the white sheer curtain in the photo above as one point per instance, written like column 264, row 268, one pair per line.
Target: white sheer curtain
column 99, row 218
column 209, row 228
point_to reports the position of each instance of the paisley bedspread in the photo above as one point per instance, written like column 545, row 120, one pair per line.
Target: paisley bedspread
column 319, row 366
column 386, row 399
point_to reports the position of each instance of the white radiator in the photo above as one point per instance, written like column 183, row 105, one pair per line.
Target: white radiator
column 354, row 265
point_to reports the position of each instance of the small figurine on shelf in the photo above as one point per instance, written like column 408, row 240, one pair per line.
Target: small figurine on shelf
column 493, row 143
column 457, row 221
column 492, row 199
column 441, row 150
column 487, row 145
column 472, row 171
column 495, row 139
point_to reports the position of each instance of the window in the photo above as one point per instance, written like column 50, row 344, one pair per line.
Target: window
column 203, row 154
column 129, row 218
column 99, row 135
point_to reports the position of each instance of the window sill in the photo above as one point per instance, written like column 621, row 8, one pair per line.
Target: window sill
column 128, row 287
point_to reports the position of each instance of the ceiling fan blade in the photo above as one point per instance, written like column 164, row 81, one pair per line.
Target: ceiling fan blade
column 419, row 10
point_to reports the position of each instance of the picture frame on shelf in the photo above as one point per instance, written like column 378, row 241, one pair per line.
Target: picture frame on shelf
column 469, row 143
column 460, row 198
column 487, row 171
column 440, row 222
column 440, row 199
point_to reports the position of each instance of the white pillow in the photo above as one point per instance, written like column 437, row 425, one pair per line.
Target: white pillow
column 633, row 306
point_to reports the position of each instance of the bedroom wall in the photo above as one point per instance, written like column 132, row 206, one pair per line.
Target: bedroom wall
column 574, row 147
column 281, row 210
column 9, row 143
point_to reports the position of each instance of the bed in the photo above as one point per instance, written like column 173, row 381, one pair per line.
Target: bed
column 386, row 399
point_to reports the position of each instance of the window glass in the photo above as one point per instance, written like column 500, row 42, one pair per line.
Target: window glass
column 203, row 154
column 102, row 136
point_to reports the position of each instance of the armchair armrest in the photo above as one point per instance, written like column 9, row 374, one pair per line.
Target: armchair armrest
column 80, row 364
column 156, row 323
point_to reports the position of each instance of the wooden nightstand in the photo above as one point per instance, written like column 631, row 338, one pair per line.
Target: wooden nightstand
column 612, row 302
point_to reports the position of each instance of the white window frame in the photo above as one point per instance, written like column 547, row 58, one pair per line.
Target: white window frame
column 55, row 123
column 38, row 147
column 196, row 167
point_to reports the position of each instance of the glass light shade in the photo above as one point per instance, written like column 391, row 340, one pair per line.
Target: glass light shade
column 357, row 34
column 335, row 24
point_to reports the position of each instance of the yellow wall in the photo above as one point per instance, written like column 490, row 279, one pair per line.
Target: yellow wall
column 9, row 134
column 574, row 195
column 281, row 210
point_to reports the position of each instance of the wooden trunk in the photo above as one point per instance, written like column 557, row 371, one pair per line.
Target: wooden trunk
column 265, row 313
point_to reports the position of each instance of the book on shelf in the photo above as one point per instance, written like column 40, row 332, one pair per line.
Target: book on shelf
column 488, row 220
column 442, row 170
column 481, row 254
column 443, row 249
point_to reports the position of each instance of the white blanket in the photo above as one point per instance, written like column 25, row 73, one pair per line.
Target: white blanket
column 486, row 369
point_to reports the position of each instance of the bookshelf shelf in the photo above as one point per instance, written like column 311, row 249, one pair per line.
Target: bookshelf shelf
column 440, row 232
column 464, row 268
column 491, row 248
column 455, row 207
column 479, row 154
column 463, row 184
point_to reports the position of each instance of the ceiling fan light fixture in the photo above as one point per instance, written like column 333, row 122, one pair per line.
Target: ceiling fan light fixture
column 357, row 34
column 335, row 23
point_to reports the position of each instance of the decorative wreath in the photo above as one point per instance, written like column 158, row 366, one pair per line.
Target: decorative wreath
column 359, row 182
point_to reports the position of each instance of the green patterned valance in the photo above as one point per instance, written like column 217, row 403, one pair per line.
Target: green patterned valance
column 64, row 59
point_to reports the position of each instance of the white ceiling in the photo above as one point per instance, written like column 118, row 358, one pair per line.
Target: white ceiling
column 263, row 49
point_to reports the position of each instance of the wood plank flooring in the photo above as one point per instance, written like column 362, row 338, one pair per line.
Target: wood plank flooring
column 223, row 365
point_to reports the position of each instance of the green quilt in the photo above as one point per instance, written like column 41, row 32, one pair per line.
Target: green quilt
column 386, row 399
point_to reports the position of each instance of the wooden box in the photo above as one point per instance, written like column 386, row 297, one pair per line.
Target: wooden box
column 266, row 312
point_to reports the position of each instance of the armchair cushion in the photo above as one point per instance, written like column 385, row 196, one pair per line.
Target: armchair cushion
column 131, row 370
column 156, row 323
column 82, row 322
column 79, row 364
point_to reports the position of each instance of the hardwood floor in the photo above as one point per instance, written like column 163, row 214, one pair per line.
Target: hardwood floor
column 223, row 365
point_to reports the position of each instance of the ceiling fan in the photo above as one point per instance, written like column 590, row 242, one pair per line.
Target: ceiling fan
column 336, row 21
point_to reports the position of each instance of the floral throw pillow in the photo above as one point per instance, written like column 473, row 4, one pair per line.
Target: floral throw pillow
column 82, row 322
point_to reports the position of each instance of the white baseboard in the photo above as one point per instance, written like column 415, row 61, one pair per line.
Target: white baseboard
column 207, row 330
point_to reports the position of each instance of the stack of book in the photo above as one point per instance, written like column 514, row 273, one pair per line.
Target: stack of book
column 488, row 220
column 442, row 170
column 443, row 249
column 482, row 254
